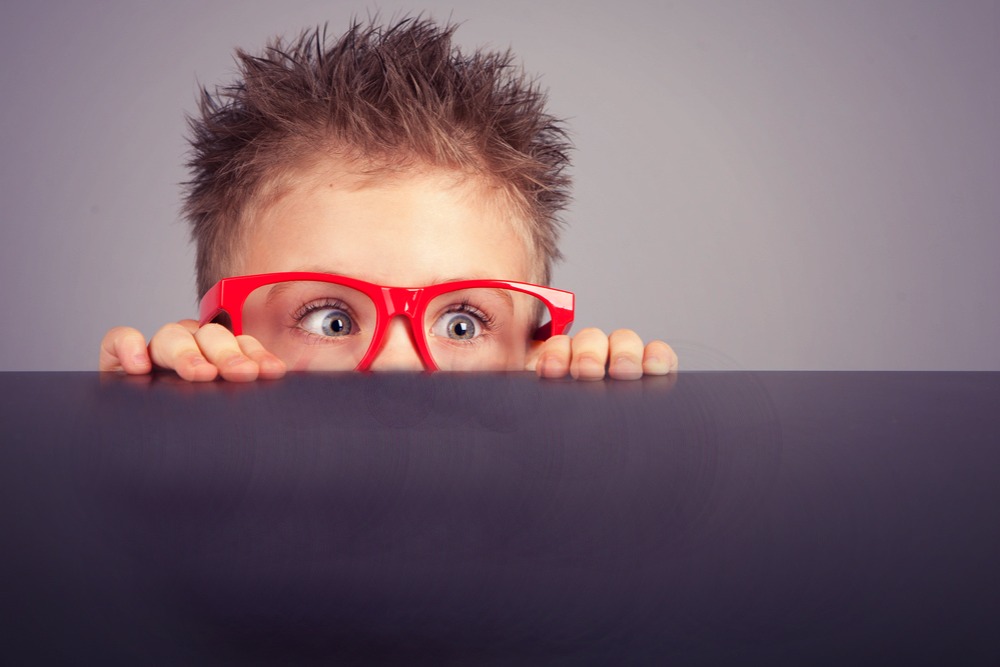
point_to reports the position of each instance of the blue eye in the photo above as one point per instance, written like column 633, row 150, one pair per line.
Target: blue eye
column 331, row 322
column 459, row 325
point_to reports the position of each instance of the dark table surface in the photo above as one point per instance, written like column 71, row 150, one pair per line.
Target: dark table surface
column 734, row 518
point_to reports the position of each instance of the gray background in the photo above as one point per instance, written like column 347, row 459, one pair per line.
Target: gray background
column 766, row 185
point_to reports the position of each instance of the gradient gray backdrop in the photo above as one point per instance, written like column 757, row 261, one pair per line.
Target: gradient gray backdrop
column 766, row 185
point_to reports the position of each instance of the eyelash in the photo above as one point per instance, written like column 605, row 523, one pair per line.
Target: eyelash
column 304, row 310
column 488, row 321
column 313, row 306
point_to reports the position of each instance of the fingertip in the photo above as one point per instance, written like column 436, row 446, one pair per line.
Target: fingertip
column 195, row 368
column 239, row 369
column 124, row 349
column 272, row 368
column 659, row 359
column 133, row 355
column 551, row 367
column 655, row 366
column 552, row 361
column 269, row 366
column 138, row 363
column 587, row 368
column 625, row 368
column 189, row 325
column 242, row 375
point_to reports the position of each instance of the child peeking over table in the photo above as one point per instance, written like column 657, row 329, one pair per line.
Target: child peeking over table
column 381, row 202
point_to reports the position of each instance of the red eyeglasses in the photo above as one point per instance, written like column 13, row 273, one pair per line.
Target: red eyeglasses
column 322, row 321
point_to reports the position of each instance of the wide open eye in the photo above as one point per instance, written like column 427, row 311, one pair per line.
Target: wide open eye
column 458, row 325
column 326, row 321
column 479, row 329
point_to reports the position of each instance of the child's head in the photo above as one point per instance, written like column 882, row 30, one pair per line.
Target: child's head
column 387, row 144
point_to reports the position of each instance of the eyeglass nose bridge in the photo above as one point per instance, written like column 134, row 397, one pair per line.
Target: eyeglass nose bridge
column 401, row 300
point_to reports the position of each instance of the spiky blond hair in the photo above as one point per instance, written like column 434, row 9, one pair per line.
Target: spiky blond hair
column 382, row 97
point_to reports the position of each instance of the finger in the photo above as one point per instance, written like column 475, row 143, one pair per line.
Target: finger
column 221, row 348
column 625, row 353
column 190, row 325
column 534, row 351
column 271, row 367
column 590, row 355
column 553, row 357
column 124, row 348
column 174, row 347
column 659, row 359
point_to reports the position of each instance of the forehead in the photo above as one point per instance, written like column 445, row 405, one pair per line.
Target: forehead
column 403, row 228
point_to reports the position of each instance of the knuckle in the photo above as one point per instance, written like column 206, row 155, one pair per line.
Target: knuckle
column 249, row 342
column 590, row 332
column 189, row 325
column 634, row 356
column 624, row 334
column 213, row 329
column 189, row 358
column 122, row 337
column 235, row 358
column 556, row 344
column 169, row 329
column 662, row 348
column 117, row 333
column 591, row 346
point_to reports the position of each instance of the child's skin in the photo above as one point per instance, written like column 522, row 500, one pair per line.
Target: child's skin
column 415, row 228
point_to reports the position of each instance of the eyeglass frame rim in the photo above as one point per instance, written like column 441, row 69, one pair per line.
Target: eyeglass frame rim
column 229, row 295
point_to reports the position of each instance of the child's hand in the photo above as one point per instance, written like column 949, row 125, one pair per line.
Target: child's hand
column 200, row 354
column 197, row 354
column 586, row 355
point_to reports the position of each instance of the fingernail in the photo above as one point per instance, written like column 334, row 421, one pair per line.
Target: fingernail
column 658, row 365
column 625, row 367
column 233, row 362
column 140, row 360
column 590, row 367
column 272, row 365
column 550, row 366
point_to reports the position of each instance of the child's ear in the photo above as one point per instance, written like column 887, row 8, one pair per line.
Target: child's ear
column 534, row 348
